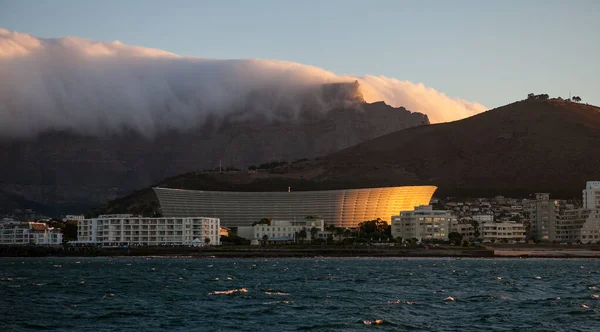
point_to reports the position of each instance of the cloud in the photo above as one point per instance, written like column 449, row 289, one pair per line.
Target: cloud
column 98, row 87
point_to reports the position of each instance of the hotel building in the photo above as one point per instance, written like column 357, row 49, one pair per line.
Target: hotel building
column 124, row 229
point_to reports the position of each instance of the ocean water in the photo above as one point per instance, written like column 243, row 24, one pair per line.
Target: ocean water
column 287, row 294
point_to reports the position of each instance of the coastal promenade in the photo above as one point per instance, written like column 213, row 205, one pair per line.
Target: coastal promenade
column 493, row 251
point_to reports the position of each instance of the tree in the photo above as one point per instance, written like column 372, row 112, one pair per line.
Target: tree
column 265, row 239
column 576, row 98
column 455, row 237
column 543, row 96
column 207, row 241
column 302, row 234
column 70, row 230
column 368, row 227
column 339, row 232
column 263, row 221
column 531, row 96
column 313, row 232
column 347, row 233
column 373, row 226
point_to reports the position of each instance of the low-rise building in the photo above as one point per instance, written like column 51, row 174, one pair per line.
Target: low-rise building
column 509, row 231
column 483, row 217
column 282, row 230
column 467, row 230
column 423, row 223
column 123, row 229
column 73, row 217
column 29, row 233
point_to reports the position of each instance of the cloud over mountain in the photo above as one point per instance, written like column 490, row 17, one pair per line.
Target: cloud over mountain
column 97, row 87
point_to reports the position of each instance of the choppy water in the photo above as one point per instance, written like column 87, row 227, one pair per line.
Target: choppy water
column 319, row 294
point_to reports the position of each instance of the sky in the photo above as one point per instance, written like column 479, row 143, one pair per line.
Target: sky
column 490, row 52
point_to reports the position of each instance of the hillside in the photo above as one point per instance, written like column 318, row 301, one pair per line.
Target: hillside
column 517, row 149
column 522, row 147
column 72, row 169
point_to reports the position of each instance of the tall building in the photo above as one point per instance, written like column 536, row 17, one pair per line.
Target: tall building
column 123, row 229
column 342, row 208
column 591, row 195
column 423, row 223
column 543, row 217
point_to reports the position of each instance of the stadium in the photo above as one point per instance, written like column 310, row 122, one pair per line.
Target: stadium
column 343, row 208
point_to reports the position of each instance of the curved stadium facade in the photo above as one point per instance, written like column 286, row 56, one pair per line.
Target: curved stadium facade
column 343, row 208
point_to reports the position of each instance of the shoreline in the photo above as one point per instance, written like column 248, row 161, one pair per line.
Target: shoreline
column 502, row 251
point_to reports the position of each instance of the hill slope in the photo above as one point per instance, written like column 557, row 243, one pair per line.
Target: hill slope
column 521, row 147
column 517, row 149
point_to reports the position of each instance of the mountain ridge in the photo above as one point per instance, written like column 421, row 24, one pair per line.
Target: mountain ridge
column 68, row 168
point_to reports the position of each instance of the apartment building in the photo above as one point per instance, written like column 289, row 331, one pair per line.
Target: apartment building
column 509, row 231
column 543, row 217
column 123, row 229
column 467, row 230
column 281, row 230
column 423, row 223
column 591, row 195
column 29, row 233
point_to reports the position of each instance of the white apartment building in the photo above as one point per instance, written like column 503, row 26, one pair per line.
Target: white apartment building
column 483, row 217
column 509, row 231
column 123, row 229
column 281, row 230
column 423, row 223
column 578, row 225
column 591, row 195
column 590, row 232
column 73, row 217
column 29, row 233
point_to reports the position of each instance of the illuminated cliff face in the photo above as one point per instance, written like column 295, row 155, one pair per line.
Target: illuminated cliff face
column 343, row 208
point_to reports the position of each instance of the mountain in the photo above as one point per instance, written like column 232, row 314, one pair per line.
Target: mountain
column 518, row 149
column 523, row 147
column 74, row 169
